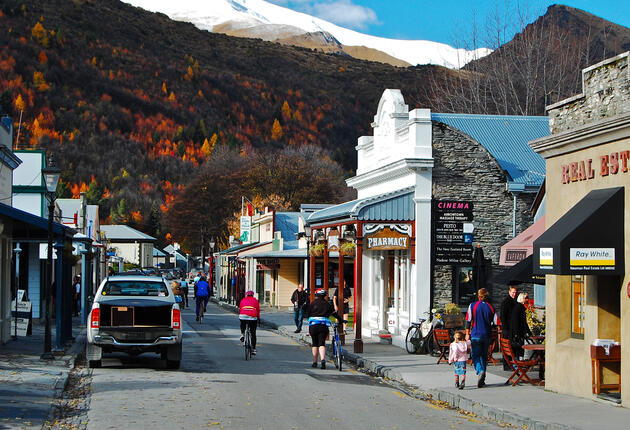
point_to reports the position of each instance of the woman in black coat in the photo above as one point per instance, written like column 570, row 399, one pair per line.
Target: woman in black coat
column 519, row 329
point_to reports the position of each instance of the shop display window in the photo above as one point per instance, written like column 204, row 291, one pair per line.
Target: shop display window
column 464, row 290
column 577, row 306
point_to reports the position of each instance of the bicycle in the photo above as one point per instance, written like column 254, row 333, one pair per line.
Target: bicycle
column 247, row 343
column 419, row 337
column 336, row 346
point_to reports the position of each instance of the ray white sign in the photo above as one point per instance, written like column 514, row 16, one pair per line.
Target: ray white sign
column 591, row 258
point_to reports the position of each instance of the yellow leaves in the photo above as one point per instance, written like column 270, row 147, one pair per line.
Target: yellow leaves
column 286, row 111
column 171, row 97
column 39, row 82
column 276, row 130
column 189, row 74
column 164, row 91
column 39, row 34
column 19, row 103
column 213, row 140
column 124, row 173
column 206, row 149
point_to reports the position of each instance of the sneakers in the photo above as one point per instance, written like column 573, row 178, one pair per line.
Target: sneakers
column 457, row 384
column 297, row 331
column 461, row 385
column 481, row 380
column 253, row 352
column 323, row 364
column 242, row 339
column 314, row 365
column 197, row 319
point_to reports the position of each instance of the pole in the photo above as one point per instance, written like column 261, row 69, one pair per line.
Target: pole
column 17, row 251
column 48, row 355
column 358, row 303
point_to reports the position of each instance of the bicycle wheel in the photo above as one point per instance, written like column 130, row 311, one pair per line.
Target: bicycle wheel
column 412, row 341
column 338, row 355
column 247, row 344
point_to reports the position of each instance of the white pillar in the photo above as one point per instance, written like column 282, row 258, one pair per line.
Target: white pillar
column 381, row 294
column 422, row 293
column 396, row 289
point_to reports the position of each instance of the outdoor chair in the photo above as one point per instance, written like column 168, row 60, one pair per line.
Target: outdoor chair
column 442, row 342
column 520, row 367
column 494, row 339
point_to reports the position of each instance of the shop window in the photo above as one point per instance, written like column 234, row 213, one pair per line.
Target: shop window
column 577, row 306
column 464, row 291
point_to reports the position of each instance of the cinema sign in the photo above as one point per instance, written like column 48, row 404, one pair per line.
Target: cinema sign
column 387, row 237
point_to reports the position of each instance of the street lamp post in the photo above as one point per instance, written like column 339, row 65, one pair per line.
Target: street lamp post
column 211, row 265
column 17, row 251
column 51, row 178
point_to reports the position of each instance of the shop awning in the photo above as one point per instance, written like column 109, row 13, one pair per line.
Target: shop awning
column 587, row 240
column 394, row 206
column 522, row 245
column 520, row 273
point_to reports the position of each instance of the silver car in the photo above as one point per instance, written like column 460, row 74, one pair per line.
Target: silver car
column 134, row 314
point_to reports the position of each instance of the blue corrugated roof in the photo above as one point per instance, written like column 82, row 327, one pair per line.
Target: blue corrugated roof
column 395, row 206
column 506, row 138
column 287, row 224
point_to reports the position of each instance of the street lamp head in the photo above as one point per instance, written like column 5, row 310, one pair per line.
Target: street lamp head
column 307, row 230
column 51, row 175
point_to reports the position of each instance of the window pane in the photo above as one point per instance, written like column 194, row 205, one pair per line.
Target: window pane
column 577, row 304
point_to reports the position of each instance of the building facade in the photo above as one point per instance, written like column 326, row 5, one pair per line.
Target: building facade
column 584, row 251
column 419, row 170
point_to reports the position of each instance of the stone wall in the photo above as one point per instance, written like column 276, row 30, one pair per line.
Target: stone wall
column 465, row 170
column 605, row 93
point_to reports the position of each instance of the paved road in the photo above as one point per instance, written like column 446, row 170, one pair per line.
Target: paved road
column 217, row 388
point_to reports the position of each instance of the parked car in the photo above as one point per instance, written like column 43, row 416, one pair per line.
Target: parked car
column 134, row 314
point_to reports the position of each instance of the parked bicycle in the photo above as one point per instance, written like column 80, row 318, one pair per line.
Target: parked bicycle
column 336, row 345
column 247, row 343
column 419, row 339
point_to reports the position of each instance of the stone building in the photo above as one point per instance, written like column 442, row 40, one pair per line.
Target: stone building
column 584, row 251
column 416, row 164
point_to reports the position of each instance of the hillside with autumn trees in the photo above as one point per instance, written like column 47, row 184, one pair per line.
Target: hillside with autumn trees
column 166, row 126
column 133, row 104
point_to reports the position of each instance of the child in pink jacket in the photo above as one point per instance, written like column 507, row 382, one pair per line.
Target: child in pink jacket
column 458, row 354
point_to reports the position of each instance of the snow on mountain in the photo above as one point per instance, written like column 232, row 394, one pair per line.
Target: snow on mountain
column 206, row 15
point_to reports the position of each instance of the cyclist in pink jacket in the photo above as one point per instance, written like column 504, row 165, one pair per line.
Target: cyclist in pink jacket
column 249, row 314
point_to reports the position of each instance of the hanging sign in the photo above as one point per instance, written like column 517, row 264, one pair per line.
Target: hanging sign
column 387, row 237
column 453, row 231
column 246, row 226
column 333, row 240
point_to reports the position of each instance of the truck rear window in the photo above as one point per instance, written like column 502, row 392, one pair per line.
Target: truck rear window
column 135, row 288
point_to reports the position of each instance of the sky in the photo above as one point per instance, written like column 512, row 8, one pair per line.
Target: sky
column 446, row 21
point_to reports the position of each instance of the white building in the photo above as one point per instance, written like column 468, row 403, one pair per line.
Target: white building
column 131, row 245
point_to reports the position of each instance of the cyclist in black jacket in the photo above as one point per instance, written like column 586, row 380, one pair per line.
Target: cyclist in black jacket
column 319, row 311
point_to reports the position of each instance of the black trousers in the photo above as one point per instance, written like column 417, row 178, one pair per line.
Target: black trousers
column 252, row 328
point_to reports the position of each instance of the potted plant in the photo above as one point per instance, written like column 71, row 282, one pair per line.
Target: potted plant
column 317, row 250
column 453, row 317
column 347, row 248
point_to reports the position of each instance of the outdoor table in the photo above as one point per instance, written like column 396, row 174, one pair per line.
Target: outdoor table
column 598, row 356
column 539, row 351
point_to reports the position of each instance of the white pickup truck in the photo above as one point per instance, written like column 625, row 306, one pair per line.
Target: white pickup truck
column 134, row 314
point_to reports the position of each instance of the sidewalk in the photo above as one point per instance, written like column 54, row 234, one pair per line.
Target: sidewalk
column 524, row 405
column 28, row 385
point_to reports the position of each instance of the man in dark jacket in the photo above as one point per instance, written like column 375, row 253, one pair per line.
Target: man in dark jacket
column 505, row 316
column 299, row 298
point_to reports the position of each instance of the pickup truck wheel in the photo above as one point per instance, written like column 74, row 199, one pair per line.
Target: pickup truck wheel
column 173, row 364
column 93, row 364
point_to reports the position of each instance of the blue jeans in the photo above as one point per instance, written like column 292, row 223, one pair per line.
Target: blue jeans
column 201, row 301
column 298, row 315
column 479, row 351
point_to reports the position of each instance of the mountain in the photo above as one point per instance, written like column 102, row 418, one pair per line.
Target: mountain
column 261, row 19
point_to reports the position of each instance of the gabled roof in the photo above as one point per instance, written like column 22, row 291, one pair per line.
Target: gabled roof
column 506, row 138
column 123, row 232
column 158, row 253
column 394, row 206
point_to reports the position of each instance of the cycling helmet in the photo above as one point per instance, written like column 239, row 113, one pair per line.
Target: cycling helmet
column 320, row 292
column 249, row 293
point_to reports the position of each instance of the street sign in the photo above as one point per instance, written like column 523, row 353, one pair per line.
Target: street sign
column 453, row 232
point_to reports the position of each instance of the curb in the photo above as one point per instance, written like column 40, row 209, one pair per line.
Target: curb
column 453, row 400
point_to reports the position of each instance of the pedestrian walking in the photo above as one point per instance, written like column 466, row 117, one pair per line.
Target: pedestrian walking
column 505, row 316
column 458, row 356
column 519, row 329
column 479, row 320
column 184, row 287
column 76, row 290
column 299, row 298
